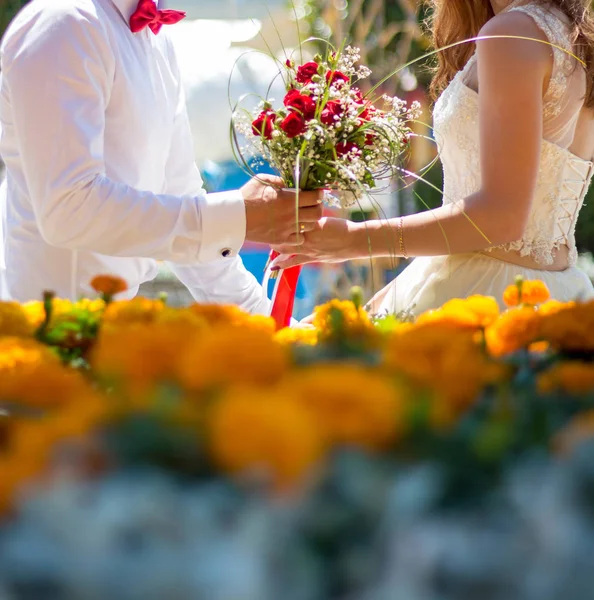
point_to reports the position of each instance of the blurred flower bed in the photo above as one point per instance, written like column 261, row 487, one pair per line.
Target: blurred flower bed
column 156, row 452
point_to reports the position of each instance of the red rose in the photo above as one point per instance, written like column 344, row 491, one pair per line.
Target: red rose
column 345, row 148
column 336, row 77
column 264, row 124
column 293, row 125
column 306, row 72
column 358, row 96
column 332, row 110
column 367, row 112
column 301, row 103
column 370, row 139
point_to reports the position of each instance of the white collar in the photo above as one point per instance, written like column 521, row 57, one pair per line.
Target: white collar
column 127, row 7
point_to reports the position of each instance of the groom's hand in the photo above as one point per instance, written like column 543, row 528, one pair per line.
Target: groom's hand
column 272, row 215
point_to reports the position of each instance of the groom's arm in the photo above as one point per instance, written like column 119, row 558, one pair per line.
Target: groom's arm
column 224, row 281
column 59, row 75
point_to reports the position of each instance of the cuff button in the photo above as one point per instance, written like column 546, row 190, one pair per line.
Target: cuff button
column 226, row 252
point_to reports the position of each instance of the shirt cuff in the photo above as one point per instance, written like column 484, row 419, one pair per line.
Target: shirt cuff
column 223, row 225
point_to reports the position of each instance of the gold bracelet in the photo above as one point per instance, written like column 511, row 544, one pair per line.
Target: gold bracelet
column 401, row 237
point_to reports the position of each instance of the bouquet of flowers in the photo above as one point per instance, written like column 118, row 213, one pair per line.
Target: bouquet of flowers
column 327, row 135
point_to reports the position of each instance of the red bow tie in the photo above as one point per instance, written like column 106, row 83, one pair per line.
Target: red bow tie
column 148, row 15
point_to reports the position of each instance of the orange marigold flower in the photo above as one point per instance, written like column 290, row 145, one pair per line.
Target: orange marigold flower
column 179, row 317
column 445, row 359
column 44, row 385
column 220, row 314
column 515, row 329
column 109, row 285
column 573, row 377
column 554, row 306
column 142, row 354
column 353, row 404
column 533, row 293
column 539, row 347
column 256, row 431
column 297, row 335
column 474, row 312
column 23, row 355
column 571, row 328
column 31, row 443
column 229, row 355
column 16, row 472
column 137, row 310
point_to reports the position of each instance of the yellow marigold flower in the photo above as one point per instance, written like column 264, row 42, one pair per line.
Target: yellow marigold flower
column 354, row 405
column 297, row 335
column 515, row 329
column 137, row 310
column 474, row 312
column 253, row 430
column 23, row 355
column 35, row 310
column 571, row 328
column 227, row 355
column 533, row 293
column 579, row 430
column 573, row 377
column 351, row 317
column 14, row 321
column 342, row 319
column 62, row 310
column 109, row 285
column 218, row 314
column 93, row 305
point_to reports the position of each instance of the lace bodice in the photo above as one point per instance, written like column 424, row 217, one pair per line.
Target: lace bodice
column 563, row 178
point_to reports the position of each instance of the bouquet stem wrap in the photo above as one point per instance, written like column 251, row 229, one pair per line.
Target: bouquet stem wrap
column 283, row 296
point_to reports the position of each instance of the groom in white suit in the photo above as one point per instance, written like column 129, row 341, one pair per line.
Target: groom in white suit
column 100, row 171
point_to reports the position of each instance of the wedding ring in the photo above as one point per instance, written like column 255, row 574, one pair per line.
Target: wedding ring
column 301, row 228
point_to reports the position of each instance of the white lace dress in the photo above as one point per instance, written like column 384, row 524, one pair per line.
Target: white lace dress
column 563, row 181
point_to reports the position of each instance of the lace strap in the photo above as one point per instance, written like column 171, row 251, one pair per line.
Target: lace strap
column 558, row 33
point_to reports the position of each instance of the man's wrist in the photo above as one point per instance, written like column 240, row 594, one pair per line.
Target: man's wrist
column 223, row 225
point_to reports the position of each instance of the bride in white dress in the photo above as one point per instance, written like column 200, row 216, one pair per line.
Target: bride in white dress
column 514, row 126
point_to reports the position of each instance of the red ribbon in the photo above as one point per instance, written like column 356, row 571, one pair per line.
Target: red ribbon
column 285, row 289
column 148, row 15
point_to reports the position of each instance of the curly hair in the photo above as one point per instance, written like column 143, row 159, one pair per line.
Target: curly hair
column 457, row 20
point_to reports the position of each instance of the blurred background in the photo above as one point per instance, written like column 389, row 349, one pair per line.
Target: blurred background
column 226, row 50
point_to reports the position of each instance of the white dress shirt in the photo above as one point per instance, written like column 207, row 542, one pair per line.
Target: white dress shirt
column 100, row 170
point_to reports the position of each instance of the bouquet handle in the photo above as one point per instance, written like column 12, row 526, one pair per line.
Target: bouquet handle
column 283, row 296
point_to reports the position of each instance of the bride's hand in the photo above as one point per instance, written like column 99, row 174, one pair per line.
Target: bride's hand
column 330, row 241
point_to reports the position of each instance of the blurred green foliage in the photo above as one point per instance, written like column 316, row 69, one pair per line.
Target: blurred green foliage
column 8, row 9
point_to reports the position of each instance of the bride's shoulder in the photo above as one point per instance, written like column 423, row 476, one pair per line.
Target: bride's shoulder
column 515, row 33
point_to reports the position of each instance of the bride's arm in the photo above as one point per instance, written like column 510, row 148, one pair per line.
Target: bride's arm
column 512, row 74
